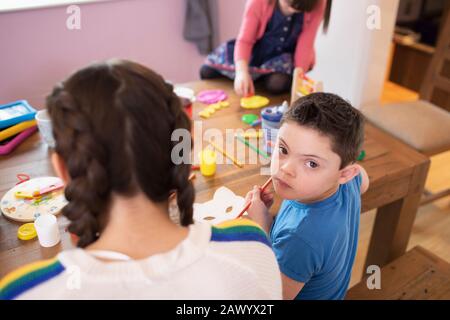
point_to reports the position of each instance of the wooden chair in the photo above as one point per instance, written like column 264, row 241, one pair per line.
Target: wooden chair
column 423, row 124
column 417, row 275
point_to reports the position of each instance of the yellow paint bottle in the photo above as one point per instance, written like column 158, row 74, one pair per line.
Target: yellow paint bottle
column 207, row 162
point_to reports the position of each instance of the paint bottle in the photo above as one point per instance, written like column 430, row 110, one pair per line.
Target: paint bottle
column 271, row 122
column 208, row 159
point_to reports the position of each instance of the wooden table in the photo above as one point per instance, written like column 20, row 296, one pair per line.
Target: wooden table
column 417, row 275
column 397, row 176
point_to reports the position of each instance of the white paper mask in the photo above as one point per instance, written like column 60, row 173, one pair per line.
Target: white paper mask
column 224, row 206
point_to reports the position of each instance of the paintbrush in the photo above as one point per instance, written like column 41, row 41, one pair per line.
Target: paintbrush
column 265, row 185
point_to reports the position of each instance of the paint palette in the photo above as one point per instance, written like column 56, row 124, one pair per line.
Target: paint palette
column 224, row 206
column 26, row 209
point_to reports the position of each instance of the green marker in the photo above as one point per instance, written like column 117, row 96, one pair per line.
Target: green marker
column 254, row 148
column 362, row 155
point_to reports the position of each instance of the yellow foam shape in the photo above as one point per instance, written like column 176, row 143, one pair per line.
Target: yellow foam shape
column 210, row 110
column 215, row 106
column 254, row 102
column 224, row 104
column 204, row 114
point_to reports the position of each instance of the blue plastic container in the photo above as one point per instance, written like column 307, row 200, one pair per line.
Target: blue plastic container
column 15, row 112
column 271, row 122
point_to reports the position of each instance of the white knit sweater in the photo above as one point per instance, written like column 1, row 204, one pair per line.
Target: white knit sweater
column 231, row 261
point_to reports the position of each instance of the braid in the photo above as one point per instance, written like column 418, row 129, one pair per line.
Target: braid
column 180, row 172
column 185, row 192
column 88, row 190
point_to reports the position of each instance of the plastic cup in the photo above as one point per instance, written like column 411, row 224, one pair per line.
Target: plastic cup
column 271, row 122
column 187, row 97
column 45, row 127
column 47, row 230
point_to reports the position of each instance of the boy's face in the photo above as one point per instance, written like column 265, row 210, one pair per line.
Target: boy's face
column 304, row 167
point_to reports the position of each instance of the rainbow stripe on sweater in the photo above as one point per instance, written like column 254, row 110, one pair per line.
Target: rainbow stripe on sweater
column 27, row 277
column 239, row 230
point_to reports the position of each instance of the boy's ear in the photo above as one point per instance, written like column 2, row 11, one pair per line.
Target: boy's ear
column 348, row 173
column 60, row 167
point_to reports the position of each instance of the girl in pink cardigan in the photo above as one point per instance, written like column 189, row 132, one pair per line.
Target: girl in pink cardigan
column 275, row 37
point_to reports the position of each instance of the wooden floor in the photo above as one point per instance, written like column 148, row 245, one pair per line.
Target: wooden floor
column 432, row 226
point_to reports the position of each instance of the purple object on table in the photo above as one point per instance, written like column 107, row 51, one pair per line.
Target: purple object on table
column 18, row 139
column 211, row 96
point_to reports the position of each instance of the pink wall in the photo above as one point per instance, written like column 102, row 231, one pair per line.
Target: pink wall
column 37, row 50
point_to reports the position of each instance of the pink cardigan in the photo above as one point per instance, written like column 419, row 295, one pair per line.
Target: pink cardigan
column 257, row 14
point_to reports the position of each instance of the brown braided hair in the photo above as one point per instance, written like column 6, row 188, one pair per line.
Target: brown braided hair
column 112, row 124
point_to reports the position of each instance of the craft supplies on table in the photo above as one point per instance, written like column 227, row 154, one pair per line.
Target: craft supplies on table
column 208, row 160
column 224, row 206
column 39, row 192
column 362, row 155
column 8, row 145
column 27, row 231
column 211, row 96
column 28, row 209
column 212, row 108
column 15, row 112
column 249, row 118
column 16, row 129
column 187, row 97
column 254, row 102
column 256, row 122
column 251, row 146
column 45, row 127
column 16, row 125
column 47, row 230
column 226, row 154
column 271, row 122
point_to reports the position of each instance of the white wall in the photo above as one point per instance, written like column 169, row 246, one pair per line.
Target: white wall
column 39, row 51
column 351, row 58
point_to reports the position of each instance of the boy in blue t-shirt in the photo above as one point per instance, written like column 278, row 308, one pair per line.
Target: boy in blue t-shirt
column 315, row 233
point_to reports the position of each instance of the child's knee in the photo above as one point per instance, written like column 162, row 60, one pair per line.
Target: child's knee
column 278, row 83
column 206, row 72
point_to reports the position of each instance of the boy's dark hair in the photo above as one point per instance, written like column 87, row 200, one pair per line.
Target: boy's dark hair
column 309, row 5
column 112, row 124
column 334, row 117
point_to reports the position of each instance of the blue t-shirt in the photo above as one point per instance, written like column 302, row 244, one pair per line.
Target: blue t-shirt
column 316, row 243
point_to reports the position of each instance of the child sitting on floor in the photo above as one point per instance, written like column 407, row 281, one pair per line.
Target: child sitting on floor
column 275, row 37
column 315, row 233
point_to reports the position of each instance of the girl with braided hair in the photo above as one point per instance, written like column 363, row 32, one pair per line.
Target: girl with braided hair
column 112, row 124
